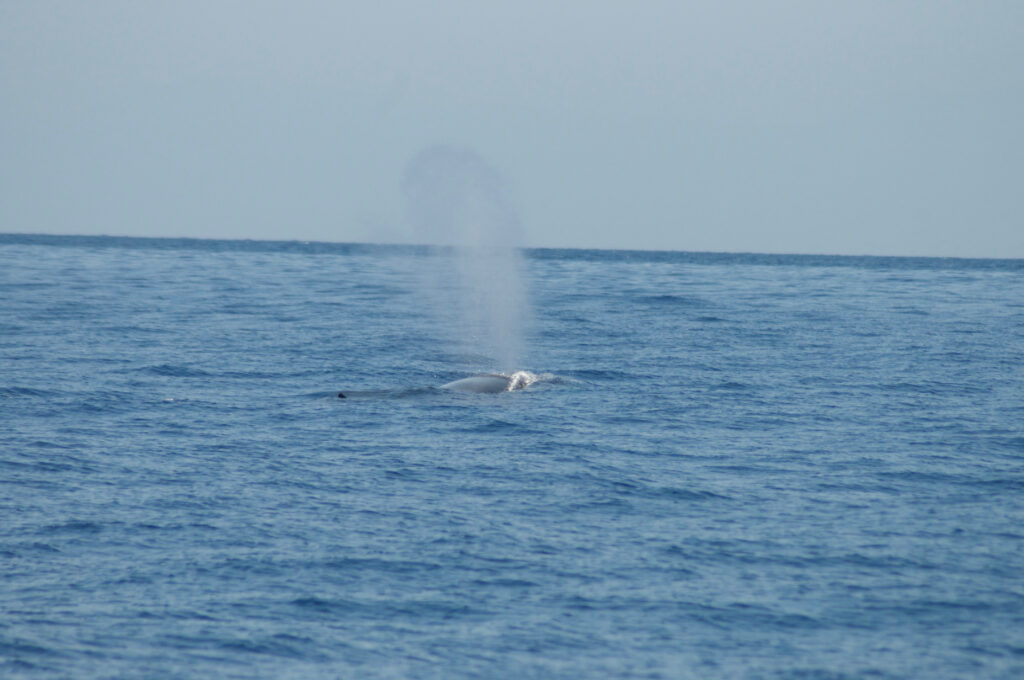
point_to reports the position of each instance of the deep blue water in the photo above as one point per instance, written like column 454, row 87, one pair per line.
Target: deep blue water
column 734, row 466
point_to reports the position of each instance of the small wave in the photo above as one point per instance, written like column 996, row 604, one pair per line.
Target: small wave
column 1011, row 443
column 495, row 426
column 681, row 494
column 26, row 392
column 183, row 371
column 127, row 329
column 280, row 645
column 379, row 565
column 596, row 375
column 732, row 385
column 673, row 300
column 72, row 527
column 175, row 371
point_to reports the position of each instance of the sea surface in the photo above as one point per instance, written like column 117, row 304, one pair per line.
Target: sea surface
column 727, row 466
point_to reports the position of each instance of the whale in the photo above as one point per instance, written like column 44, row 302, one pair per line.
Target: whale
column 489, row 382
column 481, row 383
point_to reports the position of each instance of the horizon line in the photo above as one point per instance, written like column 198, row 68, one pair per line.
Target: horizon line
column 49, row 235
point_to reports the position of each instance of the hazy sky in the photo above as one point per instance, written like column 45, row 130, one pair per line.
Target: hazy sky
column 831, row 127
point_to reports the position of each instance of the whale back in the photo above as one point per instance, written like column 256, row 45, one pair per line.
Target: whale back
column 480, row 383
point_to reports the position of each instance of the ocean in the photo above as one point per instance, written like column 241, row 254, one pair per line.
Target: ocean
column 723, row 466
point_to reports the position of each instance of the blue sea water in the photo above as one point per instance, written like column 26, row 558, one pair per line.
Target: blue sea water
column 730, row 466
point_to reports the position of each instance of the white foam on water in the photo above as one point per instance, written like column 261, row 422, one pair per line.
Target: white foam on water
column 521, row 379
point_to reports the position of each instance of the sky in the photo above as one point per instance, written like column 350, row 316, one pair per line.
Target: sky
column 862, row 127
